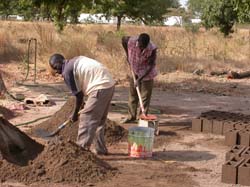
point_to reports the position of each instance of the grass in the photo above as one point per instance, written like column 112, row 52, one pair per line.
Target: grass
column 178, row 49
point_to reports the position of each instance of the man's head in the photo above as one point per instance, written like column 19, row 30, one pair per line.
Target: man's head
column 143, row 40
column 56, row 62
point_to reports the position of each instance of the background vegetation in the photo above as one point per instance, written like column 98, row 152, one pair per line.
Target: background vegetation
column 179, row 49
column 186, row 48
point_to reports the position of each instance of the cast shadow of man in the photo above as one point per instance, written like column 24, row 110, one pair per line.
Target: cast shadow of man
column 183, row 155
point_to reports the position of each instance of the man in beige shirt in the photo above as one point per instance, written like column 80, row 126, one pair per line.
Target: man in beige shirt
column 87, row 77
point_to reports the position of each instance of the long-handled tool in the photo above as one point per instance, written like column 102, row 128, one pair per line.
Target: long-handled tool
column 145, row 119
column 44, row 134
column 144, row 116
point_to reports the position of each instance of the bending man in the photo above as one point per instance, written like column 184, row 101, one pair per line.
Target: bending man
column 85, row 76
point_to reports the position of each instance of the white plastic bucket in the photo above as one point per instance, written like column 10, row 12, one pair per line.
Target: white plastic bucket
column 140, row 142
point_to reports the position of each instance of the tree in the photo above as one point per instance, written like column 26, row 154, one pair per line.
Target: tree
column 26, row 9
column 61, row 10
column 110, row 8
column 148, row 11
column 242, row 7
column 220, row 13
column 195, row 7
column 8, row 7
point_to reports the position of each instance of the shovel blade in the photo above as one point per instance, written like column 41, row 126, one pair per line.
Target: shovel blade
column 148, row 117
column 44, row 134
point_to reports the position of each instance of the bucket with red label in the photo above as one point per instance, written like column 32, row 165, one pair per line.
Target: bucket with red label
column 140, row 142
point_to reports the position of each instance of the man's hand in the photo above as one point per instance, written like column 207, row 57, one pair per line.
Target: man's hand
column 137, row 82
column 74, row 118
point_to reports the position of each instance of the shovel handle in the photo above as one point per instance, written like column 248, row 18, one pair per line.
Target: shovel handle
column 138, row 93
column 64, row 124
column 67, row 122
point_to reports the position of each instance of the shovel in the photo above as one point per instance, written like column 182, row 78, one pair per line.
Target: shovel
column 44, row 134
column 143, row 116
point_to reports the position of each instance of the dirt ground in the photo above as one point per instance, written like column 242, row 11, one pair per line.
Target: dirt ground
column 180, row 157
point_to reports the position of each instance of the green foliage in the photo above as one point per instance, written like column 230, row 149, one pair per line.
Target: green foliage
column 148, row 11
column 60, row 10
column 220, row 13
column 242, row 7
column 8, row 7
column 27, row 9
column 195, row 7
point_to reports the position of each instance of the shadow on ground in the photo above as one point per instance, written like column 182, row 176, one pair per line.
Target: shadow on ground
column 183, row 155
column 176, row 124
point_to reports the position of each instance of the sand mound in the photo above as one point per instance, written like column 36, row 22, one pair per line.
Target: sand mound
column 16, row 146
column 113, row 132
column 60, row 162
column 7, row 114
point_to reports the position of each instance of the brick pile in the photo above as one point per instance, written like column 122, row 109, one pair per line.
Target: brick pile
column 235, row 126
column 236, row 169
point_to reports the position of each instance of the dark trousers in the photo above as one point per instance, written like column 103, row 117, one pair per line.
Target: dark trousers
column 146, row 88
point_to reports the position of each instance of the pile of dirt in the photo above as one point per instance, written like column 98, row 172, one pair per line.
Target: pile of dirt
column 113, row 132
column 15, row 146
column 60, row 162
column 7, row 114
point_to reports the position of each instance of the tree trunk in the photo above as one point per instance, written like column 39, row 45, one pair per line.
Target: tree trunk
column 119, row 22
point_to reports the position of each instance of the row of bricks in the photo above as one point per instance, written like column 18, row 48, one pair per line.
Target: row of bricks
column 238, row 151
column 221, row 115
column 237, row 137
column 236, row 171
column 217, row 126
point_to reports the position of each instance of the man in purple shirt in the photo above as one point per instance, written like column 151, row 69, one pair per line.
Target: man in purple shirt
column 141, row 56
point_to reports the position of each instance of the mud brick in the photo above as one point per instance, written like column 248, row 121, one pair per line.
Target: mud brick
column 217, row 127
column 197, row 125
column 210, row 114
column 230, row 170
column 244, row 173
column 244, row 137
column 231, row 137
column 240, row 126
column 228, row 125
column 246, row 153
column 207, row 125
column 247, row 124
column 203, row 115
column 236, row 151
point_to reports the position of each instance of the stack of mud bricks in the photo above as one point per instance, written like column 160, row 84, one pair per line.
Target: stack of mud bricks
column 235, row 126
column 236, row 169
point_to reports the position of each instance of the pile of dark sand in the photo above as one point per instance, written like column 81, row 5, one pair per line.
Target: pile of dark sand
column 60, row 162
column 7, row 114
column 15, row 146
column 113, row 132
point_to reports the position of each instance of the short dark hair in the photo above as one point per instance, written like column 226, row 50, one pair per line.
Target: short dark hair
column 56, row 61
column 144, row 39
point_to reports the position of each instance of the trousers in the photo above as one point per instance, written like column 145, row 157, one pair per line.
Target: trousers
column 93, row 120
column 146, row 88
